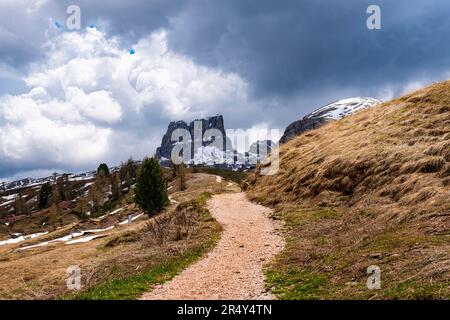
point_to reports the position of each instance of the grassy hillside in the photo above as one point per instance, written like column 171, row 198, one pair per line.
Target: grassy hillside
column 126, row 260
column 371, row 189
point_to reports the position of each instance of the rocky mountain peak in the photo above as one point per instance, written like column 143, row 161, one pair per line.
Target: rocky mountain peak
column 333, row 111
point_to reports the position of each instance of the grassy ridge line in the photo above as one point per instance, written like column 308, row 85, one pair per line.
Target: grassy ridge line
column 132, row 287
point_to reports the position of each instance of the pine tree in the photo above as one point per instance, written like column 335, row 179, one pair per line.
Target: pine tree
column 103, row 167
column 44, row 195
column 181, row 174
column 18, row 204
column 54, row 216
column 96, row 197
column 115, row 187
column 151, row 187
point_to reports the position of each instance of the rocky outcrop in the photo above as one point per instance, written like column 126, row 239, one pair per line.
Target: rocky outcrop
column 298, row 127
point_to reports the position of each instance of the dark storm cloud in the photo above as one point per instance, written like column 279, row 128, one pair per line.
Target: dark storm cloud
column 131, row 19
column 282, row 47
column 26, row 24
column 287, row 47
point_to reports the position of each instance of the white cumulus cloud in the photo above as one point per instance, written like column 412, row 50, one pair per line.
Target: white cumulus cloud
column 91, row 101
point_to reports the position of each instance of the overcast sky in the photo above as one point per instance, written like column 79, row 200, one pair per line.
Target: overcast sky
column 72, row 99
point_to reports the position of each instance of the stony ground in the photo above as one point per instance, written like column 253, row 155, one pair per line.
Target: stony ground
column 233, row 270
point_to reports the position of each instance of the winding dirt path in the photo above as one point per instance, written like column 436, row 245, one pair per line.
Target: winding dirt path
column 233, row 269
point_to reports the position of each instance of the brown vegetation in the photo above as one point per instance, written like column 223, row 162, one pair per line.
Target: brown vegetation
column 181, row 234
column 372, row 188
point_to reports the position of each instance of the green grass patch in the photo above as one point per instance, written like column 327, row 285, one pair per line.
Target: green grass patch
column 297, row 284
column 134, row 286
column 411, row 289
column 399, row 238
column 204, row 197
column 300, row 215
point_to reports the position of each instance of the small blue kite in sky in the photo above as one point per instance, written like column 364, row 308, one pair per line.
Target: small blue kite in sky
column 58, row 25
column 132, row 51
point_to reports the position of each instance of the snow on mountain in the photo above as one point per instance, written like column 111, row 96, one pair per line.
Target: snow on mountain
column 334, row 111
column 32, row 182
column 211, row 155
column 343, row 108
column 37, row 182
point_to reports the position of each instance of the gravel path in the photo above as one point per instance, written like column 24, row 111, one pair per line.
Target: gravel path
column 233, row 269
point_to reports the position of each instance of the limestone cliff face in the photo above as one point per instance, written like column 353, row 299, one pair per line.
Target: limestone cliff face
column 207, row 151
column 202, row 125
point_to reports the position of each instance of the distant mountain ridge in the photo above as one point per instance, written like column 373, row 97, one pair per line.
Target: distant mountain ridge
column 30, row 182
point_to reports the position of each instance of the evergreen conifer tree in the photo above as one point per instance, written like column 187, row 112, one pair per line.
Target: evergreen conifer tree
column 151, row 187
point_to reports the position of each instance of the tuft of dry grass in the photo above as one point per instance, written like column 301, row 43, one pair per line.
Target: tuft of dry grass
column 385, row 171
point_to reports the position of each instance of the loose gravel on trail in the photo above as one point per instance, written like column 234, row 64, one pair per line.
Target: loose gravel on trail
column 233, row 269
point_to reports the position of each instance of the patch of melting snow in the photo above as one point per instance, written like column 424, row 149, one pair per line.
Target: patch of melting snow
column 85, row 239
column 11, row 197
column 6, row 203
column 22, row 238
column 98, row 230
column 86, row 185
column 42, row 244
column 69, row 239
column 81, row 178
column 116, row 211
column 81, row 233
column 132, row 219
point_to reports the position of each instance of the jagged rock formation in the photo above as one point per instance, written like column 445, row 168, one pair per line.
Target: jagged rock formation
column 205, row 150
column 164, row 152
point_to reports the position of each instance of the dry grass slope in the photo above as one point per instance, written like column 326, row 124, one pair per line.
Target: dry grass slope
column 124, row 263
column 375, row 184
